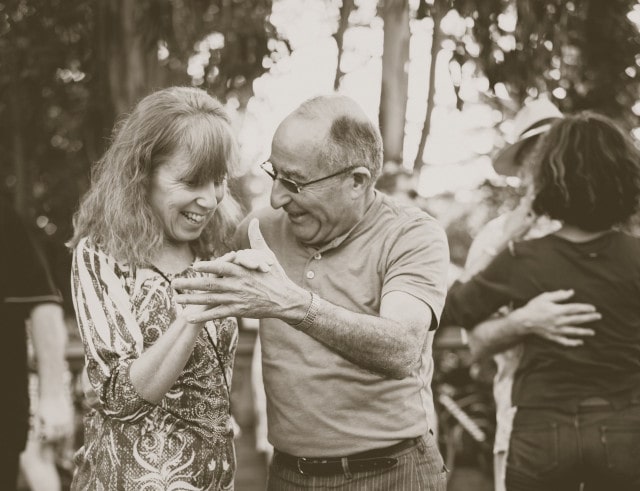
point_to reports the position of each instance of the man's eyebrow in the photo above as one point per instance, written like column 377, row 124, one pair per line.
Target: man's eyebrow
column 289, row 174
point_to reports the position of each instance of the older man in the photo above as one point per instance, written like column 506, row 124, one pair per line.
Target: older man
column 346, row 303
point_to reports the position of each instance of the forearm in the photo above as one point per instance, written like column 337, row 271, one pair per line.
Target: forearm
column 495, row 335
column 49, row 339
column 157, row 369
column 377, row 344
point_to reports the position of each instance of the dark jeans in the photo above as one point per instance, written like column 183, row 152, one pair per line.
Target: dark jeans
column 556, row 451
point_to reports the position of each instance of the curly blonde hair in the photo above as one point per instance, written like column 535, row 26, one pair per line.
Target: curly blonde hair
column 115, row 213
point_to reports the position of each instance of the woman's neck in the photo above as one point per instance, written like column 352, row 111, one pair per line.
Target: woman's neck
column 173, row 258
column 575, row 234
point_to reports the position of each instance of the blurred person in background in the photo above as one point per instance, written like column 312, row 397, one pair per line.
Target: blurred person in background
column 46, row 455
column 28, row 293
column 544, row 315
column 578, row 408
column 348, row 294
column 158, row 201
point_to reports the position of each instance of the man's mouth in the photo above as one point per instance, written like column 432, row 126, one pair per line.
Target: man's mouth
column 296, row 215
column 195, row 218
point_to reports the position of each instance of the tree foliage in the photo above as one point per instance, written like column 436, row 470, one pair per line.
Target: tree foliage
column 585, row 53
column 69, row 69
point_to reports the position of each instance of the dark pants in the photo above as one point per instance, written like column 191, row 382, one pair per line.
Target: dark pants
column 556, row 451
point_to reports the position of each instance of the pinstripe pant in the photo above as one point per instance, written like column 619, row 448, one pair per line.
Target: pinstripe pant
column 419, row 468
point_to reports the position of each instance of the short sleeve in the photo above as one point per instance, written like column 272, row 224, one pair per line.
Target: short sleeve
column 474, row 301
column 111, row 335
column 417, row 264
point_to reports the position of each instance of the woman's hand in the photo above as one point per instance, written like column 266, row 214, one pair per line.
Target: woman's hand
column 254, row 259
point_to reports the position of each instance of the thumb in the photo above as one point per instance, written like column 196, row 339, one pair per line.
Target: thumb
column 255, row 236
column 558, row 295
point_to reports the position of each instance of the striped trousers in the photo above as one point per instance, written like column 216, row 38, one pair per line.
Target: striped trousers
column 419, row 468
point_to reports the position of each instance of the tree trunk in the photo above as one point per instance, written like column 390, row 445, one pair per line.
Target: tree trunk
column 22, row 194
column 132, row 55
column 395, row 78
column 345, row 10
column 436, row 37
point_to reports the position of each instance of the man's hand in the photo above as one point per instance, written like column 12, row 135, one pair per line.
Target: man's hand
column 544, row 316
column 56, row 416
column 248, row 283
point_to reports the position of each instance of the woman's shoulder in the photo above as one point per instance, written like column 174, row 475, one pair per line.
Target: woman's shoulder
column 93, row 256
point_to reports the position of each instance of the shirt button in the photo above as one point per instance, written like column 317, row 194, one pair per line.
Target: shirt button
column 317, row 256
column 310, row 275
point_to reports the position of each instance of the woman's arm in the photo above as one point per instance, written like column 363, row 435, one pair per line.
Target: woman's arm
column 126, row 379
column 542, row 316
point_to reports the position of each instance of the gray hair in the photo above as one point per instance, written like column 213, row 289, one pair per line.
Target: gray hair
column 351, row 140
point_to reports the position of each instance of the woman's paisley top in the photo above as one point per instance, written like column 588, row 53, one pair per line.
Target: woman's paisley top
column 185, row 442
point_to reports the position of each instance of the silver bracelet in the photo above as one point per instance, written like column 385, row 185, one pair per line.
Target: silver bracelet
column 310, row 317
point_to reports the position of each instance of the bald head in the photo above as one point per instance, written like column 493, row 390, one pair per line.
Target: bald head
column 344, row 136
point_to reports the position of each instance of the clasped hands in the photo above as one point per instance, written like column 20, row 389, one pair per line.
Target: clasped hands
column 245, row 283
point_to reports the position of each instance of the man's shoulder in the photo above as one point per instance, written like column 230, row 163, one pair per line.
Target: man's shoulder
column 397, row 217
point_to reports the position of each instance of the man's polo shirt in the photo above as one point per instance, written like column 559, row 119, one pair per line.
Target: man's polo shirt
column 319, row 403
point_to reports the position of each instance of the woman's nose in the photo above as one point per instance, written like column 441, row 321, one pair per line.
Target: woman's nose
column 209, row 195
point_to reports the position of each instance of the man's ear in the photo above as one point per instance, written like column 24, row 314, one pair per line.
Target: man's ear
column 361, row 179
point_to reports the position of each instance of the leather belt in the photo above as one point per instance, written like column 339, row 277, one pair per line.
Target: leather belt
column 378, row 459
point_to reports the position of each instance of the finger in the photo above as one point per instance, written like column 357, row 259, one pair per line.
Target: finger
column 557, row 295
column 217, row 267
column 577, row 308
column 254, row 259
column 198, row 298
column 573, row 331
column 219, row 312
column 256, row 238
column 228, row 257
column 205, row 283
column 570, row 320
column 564, row 341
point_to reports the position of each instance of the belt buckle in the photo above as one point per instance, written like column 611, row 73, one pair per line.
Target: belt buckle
column 298, row 460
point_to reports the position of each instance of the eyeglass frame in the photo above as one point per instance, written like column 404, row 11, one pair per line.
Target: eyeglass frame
column 296, row 187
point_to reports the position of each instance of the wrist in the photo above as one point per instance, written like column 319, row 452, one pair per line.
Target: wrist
column 311, row 310
column 519, row 322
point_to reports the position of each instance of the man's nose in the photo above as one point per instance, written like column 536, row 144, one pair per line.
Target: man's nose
column 280, row 196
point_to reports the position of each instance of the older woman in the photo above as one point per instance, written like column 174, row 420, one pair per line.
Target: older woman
column 578, row 409
column 158, row 201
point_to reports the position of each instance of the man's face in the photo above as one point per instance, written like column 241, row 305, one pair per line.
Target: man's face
column 321, row 211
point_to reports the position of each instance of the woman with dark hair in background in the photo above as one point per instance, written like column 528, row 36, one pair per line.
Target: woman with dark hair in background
column 578, row 410
column 158, row 201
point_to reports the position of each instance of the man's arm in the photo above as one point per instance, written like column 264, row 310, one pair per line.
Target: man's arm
column 389, row 344
column 49, row 337
column 542, row 316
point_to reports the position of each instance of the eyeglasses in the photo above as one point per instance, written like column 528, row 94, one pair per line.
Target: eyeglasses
column 293, row 186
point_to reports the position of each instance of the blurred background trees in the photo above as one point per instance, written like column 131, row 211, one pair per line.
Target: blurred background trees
column 443, row 78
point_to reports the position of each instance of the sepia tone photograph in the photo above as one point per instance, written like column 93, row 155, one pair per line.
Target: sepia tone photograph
column 288, row 245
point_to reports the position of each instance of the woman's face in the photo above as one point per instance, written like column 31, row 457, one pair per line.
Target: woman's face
column 183, row 208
